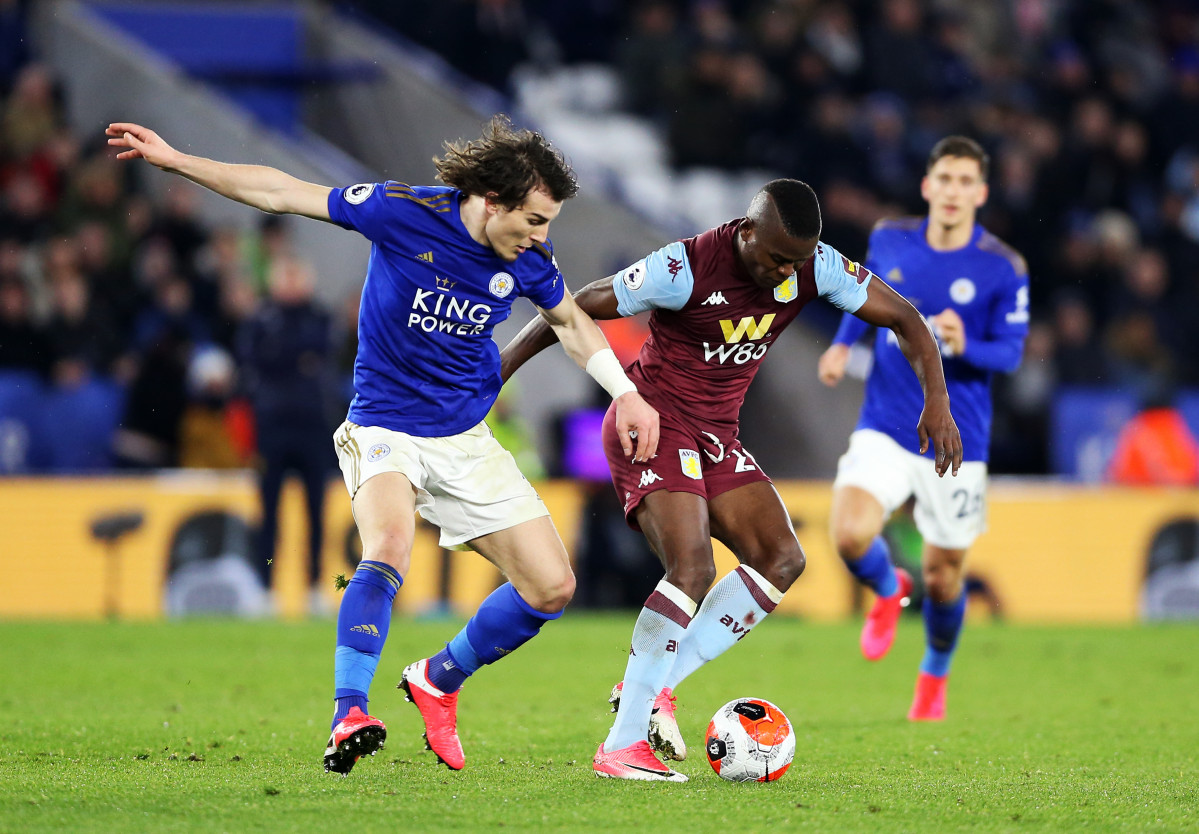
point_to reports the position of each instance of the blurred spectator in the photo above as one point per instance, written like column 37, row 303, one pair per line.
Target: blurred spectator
column 23, row 344
column 651, row 58
column 1156, row 447
column 286, row 353
column 149, row 434
column 31, row 113
column 898, row 52
column 217, row 428
column 1079, row 357
column 84, row 340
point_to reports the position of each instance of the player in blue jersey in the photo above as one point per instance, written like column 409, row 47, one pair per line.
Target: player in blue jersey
column 973, row 289
column 446, row 264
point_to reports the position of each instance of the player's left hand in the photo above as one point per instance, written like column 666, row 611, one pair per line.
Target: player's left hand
column 637, row 423
column 951, row 330
column 937, row 426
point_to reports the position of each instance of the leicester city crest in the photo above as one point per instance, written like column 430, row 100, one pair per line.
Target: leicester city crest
column 378, row 452
column 501, row 284
column 787, row 291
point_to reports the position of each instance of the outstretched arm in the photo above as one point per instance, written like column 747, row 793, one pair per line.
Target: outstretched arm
column 267, row 189
column 597, row 300
column 584, row 342
column 886, row 308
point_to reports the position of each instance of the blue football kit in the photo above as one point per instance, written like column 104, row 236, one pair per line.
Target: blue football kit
column 427, row 365
column 986, row 283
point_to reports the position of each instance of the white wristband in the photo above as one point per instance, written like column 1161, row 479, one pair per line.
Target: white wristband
column 605, row 369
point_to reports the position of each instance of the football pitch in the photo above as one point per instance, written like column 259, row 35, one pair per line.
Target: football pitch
column 220, row 726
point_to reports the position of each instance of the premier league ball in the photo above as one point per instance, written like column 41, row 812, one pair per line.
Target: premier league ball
column 750, row 740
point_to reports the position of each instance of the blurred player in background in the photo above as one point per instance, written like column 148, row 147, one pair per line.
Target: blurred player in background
column 974, row 290
column 446, row 264
column 718, row 302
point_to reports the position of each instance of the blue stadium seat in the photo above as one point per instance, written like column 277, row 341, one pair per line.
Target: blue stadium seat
column 77, row 426
column 20, row 412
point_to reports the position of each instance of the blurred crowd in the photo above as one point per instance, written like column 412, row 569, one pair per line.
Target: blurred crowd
column 103, row 285
column 1089, row 109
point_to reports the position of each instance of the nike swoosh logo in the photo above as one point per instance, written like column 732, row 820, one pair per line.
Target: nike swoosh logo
column 645, row 769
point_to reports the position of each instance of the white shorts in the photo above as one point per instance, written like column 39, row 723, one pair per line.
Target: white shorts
column 467, row 484
column 950, row 511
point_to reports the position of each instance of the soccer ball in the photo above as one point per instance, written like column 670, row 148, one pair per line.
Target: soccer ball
column 750, row 740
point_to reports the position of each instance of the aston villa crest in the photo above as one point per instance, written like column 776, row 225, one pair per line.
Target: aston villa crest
column 787, row 291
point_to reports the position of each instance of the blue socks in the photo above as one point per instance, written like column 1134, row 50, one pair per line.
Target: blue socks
column 362, row 623
column 503, row 623
column 942, row 625
column 875, row 570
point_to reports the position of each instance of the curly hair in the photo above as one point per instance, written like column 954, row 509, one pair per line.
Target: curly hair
column 506, row 164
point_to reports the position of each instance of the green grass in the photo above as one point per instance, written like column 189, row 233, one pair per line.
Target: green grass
column 219, row 726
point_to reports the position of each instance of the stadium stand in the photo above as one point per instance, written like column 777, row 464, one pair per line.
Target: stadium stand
column 675, row 111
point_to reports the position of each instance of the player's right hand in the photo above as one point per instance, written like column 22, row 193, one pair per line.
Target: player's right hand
column 637, row 423
column 831, row 367
column 142, row 143
column 938, row 429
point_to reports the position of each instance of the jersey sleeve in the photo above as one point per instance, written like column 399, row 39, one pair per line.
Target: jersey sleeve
column 662, row 279
column 363, row 208
column 549, row 288
column 840, row 280
column 1002, row 347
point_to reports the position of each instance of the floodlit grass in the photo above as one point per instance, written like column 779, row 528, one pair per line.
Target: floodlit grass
column 220, row 726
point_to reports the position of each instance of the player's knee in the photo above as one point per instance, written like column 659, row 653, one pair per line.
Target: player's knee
column 552, row 596
column 787, row 566
column 851, row 537
column 390, row 548
column 693, row 579
column 942, row 584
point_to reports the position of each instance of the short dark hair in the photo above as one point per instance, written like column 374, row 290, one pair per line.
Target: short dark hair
column 508, row 163
column 960, row 146
column 797, row 206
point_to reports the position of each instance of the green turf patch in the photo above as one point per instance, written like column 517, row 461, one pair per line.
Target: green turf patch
column 220, row 726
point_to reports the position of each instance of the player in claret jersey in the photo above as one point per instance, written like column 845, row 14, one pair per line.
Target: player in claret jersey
column 446, row 264
column 974, row 289
column 718, row 302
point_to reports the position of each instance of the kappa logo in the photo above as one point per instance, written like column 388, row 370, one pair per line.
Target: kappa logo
column 689, row 461
column 648, row 477
column 378, row 452
column 357, row 194
column 715, row 298
column 719, row 456
column 366, row 628
column 673, row 265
